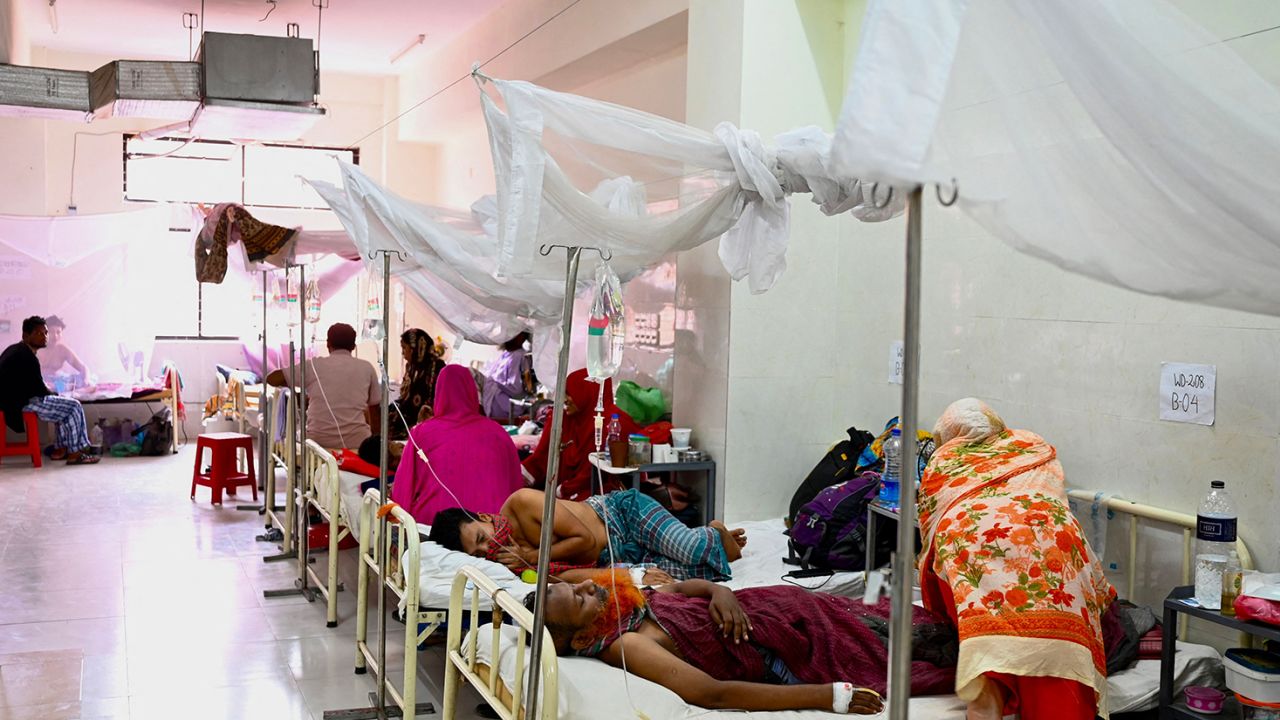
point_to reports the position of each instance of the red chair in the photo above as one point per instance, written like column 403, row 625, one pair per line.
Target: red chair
column 30, row 447
column 223, row 474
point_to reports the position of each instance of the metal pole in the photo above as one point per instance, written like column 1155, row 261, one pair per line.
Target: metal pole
column 265, row 463
column 553, row 468
column 299, row 497
column 904, row 558
column 383, row 525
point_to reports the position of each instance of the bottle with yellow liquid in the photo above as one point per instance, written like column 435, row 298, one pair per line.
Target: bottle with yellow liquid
column 1232, row 578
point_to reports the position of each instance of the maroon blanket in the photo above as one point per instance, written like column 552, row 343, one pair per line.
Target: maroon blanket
column 822, row 638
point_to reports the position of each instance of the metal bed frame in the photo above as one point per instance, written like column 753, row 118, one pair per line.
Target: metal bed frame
column 315, row 461
column 402, row 580
column 1138, row 512
column 462, row 665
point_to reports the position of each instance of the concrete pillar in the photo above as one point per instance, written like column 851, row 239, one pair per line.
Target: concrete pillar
column 765, row 404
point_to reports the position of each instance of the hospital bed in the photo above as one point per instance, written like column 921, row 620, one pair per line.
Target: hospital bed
column 573, row 688
column 422, row 576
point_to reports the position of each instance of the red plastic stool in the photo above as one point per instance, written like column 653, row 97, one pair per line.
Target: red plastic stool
column 30, row 447
column 223, row 474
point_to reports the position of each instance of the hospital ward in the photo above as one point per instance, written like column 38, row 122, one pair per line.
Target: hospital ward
column 660, row 360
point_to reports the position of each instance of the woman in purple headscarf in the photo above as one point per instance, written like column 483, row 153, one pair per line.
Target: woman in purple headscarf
column 470, row 460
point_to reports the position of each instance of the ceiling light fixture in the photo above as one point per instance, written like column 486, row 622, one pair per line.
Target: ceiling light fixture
column 422, row 37
column 53, row 15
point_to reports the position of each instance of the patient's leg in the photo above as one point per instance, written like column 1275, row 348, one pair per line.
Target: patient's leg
column 657, row 537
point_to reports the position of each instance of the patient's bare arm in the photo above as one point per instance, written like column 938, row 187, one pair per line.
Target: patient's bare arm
column 651, row 661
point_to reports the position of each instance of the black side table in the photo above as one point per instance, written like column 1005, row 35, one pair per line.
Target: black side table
column 1171, row 707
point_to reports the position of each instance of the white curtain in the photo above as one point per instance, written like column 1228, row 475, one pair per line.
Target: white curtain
column 643, row 186
column 1114, row 138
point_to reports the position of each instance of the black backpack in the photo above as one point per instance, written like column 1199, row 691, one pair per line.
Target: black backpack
column 157, row 433
column 838, row 465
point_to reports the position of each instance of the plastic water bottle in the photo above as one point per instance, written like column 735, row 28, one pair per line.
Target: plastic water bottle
column 891, row 479
column 1215, row 541
column 95, row 435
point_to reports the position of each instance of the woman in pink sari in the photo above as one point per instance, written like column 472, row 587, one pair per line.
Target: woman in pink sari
column 472, row 461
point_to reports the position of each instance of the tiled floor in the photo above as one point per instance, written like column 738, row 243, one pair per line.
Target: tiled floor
column 121, row 598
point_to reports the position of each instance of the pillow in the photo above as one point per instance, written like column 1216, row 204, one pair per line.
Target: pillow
column 439, row 566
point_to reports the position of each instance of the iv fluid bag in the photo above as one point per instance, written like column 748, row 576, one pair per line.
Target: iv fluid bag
column 372, row 326
column 313, row 301
column 606, row 330
column 291, row 301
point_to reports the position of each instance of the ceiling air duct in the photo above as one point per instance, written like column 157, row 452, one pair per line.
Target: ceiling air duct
column 242, row 87
column 148, row 89
column 44, row 93
column 257, row 87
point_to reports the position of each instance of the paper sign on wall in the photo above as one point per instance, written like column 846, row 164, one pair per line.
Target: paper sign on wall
column 9, row 303
column 1187, row 392
column 14, row 267
column 896, row 360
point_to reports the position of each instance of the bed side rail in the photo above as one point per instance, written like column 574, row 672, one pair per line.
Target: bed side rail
column 462, row 663
column 1139, row 512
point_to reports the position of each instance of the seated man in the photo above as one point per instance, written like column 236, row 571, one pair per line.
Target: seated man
column 765, row 648
column 641, row 531
column 22, row 389
column 343, row 393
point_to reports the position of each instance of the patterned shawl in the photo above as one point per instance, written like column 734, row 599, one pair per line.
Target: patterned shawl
column 1006, row 560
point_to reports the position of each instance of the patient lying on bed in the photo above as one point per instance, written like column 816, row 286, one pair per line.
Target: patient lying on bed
column 766, row 648
column 642, row 531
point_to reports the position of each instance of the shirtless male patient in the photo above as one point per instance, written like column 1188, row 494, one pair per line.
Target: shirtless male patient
column 639, row 529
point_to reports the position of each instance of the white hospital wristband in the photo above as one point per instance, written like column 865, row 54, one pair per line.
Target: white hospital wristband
column 841, row 696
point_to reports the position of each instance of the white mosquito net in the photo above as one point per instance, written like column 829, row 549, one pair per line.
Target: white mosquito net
column 1114, row 138
column 643, row 186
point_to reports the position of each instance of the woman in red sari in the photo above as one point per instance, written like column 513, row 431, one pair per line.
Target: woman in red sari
column 578, row 441
column 1006, row 561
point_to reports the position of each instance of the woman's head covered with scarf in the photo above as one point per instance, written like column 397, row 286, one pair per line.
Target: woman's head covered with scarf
column 418, row 348
column 578, row 439
column 967, row 419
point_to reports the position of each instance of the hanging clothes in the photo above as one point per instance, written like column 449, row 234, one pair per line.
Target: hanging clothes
column 228, row 224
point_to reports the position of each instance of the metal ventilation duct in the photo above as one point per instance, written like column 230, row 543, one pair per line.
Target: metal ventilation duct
column 45, row 93
column 244, row 87
column 244, row 120
column 258, row 68
column 137, row 88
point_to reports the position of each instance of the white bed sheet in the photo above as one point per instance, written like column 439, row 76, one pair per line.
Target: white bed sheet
column 591, row 689
column 348, row 492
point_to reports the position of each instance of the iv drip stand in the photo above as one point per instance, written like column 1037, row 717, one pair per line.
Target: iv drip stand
column 378, row 709
column 297, row 439
column 574, row 255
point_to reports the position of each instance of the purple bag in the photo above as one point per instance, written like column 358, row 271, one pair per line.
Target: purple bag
column 830, row 531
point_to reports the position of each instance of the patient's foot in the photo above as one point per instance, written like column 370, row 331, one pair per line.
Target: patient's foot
column 733, row 540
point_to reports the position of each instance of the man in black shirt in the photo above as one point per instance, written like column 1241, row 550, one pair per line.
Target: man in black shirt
column 23, row 389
